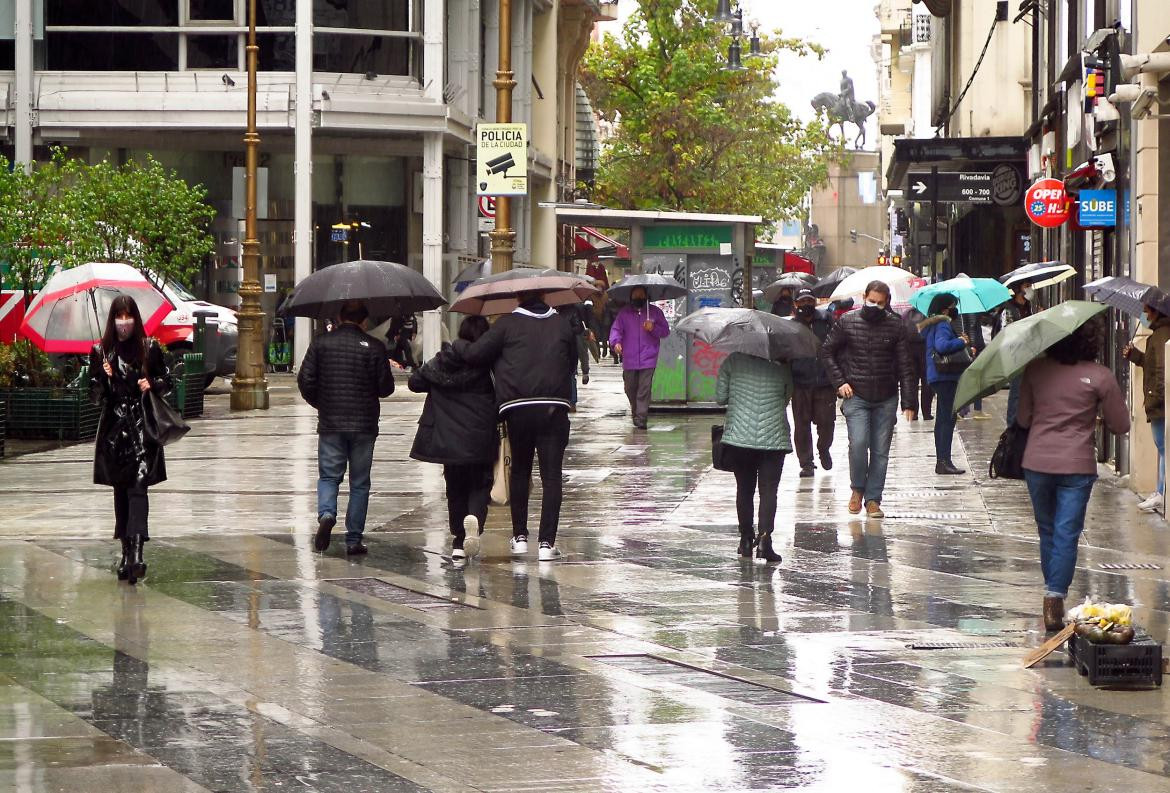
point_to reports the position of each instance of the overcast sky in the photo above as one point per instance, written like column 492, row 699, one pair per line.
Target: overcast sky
column 844, row 27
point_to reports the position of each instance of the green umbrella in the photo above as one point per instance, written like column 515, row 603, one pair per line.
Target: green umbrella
column 1018, row 344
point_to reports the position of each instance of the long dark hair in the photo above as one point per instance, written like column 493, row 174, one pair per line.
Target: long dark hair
column 941, row 303
column 134, row 347
column 472, row 328
column 1083, row 345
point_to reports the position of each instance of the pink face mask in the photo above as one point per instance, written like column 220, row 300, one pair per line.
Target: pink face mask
column 124, row 327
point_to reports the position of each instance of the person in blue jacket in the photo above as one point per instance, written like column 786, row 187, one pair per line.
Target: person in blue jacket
column 941, row 340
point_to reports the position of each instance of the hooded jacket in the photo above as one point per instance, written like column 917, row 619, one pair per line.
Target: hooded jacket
column 458, row 421
column 941, row 339
column 531, row 352
column 639, row 346
column 1153, row 365
column 872, row 357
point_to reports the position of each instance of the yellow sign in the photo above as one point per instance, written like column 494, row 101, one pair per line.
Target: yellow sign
column 501, row 159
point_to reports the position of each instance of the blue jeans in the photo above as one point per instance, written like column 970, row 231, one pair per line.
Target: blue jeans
column 944, row 419
column 871, row 430
column 334, row 451
column 1059, row 502
column 1158, row 426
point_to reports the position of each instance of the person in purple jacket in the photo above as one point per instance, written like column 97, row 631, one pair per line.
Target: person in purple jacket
column 637, row 331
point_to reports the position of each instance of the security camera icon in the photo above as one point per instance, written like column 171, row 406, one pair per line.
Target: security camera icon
column 501, row 164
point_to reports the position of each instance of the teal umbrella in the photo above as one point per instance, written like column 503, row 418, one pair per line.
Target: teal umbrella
column 1018, row 344
column 976, row 295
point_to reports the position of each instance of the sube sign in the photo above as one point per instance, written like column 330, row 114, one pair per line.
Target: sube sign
column 1097, row 208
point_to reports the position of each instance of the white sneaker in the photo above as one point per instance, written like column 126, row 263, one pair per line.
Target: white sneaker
column 519, row 545
column 471, row 536
column 1153, row 503
column 458, row 554
column 548, row 552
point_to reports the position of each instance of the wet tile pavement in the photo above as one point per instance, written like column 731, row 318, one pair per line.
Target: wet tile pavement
column 649, row 659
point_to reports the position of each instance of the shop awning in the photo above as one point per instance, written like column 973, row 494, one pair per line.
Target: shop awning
column 589, row 243
column 953, row 153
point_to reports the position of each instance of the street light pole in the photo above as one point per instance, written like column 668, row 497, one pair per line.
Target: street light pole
column 250, row 388
column 504, row 237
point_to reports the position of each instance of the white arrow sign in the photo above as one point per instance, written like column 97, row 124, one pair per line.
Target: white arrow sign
column 918, row 187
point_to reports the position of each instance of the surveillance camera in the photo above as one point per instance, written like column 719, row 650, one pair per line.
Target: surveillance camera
column 1145, row 105
column 228, row 81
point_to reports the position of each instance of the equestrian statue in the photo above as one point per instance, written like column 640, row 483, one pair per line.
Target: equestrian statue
column 844, row 108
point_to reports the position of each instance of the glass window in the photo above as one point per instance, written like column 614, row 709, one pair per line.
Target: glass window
column 211, row 10
column 213, row 52
column 106, row 51
column 364, row 14
column 111, row 12
column 276, row 13
column 361, row 54
column 278, row 52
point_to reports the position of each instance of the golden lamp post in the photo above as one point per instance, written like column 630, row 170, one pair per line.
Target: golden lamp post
column 504, row 237
column 250, row 388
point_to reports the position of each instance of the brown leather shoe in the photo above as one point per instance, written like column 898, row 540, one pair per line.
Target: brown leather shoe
column 855, row 502
column 1053, row 613
column 874, row 510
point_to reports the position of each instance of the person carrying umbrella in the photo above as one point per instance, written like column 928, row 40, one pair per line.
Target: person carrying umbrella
column 942, row 341
column 814, row 399
column 1152, row 362
column 343, row 376
column 638, row 330
column 867, row 359
column 1019, row 307
column 457, row 429
column 1061, row 395
column 531, row 353
column 123, row 366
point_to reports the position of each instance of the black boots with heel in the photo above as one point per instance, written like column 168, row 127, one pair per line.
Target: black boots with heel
column 127, row 559
column 764, row 550
column 747, row 542
column 137, row 568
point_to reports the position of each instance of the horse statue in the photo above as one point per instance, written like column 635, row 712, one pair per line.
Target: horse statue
column 841, row 110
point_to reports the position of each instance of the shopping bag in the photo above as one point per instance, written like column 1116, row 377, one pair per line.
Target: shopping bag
column 502, row 470
column 162, row 423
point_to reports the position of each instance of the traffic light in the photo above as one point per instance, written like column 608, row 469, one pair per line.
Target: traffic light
column 883, row 259
column 896, row 260
column 853, row 235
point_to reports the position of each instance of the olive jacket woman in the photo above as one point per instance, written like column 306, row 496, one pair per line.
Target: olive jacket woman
column 123, row 456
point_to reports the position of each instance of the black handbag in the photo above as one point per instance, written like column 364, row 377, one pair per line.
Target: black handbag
column 162, row 423
column 1007, row 461
column 718, row 449
column 953, row 363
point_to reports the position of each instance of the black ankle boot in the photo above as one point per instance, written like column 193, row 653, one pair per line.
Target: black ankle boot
column 764, row 549
column 747, row 541
column 138, row 567
column 127, row 556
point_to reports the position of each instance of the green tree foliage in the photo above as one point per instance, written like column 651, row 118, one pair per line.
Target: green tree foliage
column 34, row 221
column 690, row 134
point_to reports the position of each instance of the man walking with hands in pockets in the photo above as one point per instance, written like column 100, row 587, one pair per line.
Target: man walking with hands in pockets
column 638, row 329
column 867, row 358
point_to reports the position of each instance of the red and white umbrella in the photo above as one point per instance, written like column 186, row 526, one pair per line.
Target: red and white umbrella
column 69, row 314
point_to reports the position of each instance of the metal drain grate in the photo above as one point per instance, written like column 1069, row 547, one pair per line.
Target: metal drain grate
column 704, row 680
column 376, row 587
column 960, row 645
column 1129, row 566
column 929, row 515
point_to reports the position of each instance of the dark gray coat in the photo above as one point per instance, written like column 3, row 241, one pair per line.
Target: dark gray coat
column 343, row 376
column 458, row 422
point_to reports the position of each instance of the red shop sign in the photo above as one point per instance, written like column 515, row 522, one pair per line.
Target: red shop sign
column 1047, row 203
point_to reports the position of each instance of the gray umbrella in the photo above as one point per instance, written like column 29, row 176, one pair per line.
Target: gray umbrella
column 658, row 287
column 827, row 285
column 793, row 281
column 500, row 293
column 753, row 332
column 387, row 289
column 1126, row 294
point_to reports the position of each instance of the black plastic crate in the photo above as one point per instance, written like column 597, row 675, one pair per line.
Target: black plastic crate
column 186, row 395
column 3, row 422
column 1138, row 663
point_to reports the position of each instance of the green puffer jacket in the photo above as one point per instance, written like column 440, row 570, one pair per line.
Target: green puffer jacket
column 756, row 393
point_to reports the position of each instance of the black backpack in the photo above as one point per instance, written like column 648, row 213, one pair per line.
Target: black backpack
column 1007, row 461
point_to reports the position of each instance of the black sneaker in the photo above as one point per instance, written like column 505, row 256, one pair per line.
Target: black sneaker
column 826, row 461
column 325, row 525
column 357, row 549
column 584, row 379
column 805, row 473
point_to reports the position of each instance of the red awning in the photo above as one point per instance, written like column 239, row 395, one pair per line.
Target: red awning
column 589, row 243
column 795, row 263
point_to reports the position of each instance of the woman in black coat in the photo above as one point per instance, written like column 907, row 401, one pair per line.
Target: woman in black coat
column 457, row 429
column 122, row 367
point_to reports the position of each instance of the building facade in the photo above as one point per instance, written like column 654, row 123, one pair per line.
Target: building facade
column 366, row 111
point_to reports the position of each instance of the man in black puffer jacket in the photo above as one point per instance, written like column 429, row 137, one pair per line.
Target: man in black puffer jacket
column 867, row 358
column 343, row 376
column 531, row 352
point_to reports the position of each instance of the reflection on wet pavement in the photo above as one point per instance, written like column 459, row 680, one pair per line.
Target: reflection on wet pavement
column 651, row 659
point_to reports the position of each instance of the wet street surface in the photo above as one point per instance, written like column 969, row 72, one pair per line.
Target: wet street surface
column 880, row 656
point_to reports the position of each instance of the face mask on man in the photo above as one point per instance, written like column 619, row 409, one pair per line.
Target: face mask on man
column 872, row 311
column 123, row 327
column 1029, row 293
column 805, row 312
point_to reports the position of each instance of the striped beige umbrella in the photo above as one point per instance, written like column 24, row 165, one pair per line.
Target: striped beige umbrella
column 500, row 294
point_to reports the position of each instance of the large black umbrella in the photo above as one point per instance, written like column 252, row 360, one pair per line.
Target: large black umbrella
column 500, row 293
column 658, row 287
column 753, row 332
column 386, row 288
column 827, row 285
column 1126, row 294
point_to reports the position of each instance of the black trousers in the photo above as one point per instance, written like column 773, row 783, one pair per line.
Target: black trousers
column 813, row 406
column 540, row 432
column 926, row 391
column 131, row 512
column 469, row 488
column 583, row 354
column 756, row 467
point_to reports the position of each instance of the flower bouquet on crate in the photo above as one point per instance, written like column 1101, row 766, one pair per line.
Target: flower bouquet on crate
column 1102, row 623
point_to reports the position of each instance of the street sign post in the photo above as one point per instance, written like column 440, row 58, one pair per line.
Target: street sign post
column 487, row 213
column 501, row 159
column 973, row 187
